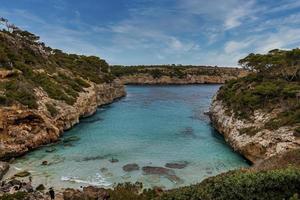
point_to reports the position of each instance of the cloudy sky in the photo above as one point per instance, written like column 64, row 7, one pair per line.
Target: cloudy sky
column 214, row 32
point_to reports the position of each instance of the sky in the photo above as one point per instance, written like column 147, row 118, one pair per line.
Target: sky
column 131, row 32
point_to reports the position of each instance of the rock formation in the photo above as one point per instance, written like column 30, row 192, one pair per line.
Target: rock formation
column 256, row 146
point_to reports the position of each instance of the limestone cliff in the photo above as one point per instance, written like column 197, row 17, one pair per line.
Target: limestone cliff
column 23, row 129
column 144, row 79
column 257, row 144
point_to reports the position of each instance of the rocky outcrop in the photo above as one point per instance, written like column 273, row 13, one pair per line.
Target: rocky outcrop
column 22, row 129
column 3, row 169
column 145, row 79
column 250, row 137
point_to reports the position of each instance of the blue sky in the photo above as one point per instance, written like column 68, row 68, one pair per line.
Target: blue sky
column 214, row 32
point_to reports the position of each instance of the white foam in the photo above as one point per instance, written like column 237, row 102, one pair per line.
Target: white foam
column 98, row 181
column 17, row 168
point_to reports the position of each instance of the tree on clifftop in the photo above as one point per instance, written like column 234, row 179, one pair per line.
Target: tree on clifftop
column 276, row 62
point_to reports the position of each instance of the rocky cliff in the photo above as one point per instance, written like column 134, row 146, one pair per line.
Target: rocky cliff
column 23, row 129
column 144, row 79
column 249, row 136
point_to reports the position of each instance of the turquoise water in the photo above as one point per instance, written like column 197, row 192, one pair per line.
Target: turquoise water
column 152, row 126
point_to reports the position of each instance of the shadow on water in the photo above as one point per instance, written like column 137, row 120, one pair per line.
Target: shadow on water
column 220, row 139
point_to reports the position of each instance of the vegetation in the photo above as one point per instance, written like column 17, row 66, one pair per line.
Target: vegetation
column 32, row 65
column 179, row 71
column 273, row 84
column 274, row 184
column 15, row 196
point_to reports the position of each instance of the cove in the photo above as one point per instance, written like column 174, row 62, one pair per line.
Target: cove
column 151, row 126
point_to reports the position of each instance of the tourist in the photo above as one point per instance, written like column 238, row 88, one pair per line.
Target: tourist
column 51, row 193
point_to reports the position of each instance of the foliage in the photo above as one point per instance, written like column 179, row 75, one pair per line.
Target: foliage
column 274, row 84
column 62, row 76
column 52, row 110
column 177, row 71
column 15, row 196
column 274, row 184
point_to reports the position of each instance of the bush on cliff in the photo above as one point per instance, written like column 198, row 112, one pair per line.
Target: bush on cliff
column 273, row 84
column 62, row 76
column 275, row 184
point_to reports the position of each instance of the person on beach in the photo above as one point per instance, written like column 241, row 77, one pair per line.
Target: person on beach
column 51, row 193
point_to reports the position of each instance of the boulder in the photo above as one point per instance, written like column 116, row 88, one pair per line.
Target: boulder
column 3, row 169
column 22, row 174
column 72, row 194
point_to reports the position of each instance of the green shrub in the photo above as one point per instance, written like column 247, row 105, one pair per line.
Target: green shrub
column 52, row 110
column 20, row 91
column 15, row 196
column 275, row 184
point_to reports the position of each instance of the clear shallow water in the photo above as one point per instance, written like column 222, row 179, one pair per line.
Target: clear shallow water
column 150, row 127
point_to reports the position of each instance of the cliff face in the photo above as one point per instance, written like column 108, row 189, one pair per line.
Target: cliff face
column 144, row 79
column 258, row 143
column 23, row 129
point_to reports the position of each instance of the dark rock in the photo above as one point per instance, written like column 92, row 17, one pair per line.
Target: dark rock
column 45, row 162
column 71, row 139
column 93, row 158
column 157, row 170
column 40, row 187
column 3, row 169
column 91, row 120
column 15, row 182
column 188, row 132
column 177, row 165
column 174, row 178
column 27, row 187
column 167, row 173
column 22, row 174
column 113, row 160
column 131, row 167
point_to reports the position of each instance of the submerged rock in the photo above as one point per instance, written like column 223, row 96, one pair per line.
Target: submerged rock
column 177, row 165
column 3, row 169
column 45, row 162
column 188, row 132
column 113, row 160
column 131, row 167
column 50, row 150
column 157, row 170
column 71, row 139
column 22, row 174
column 164, row 172
column 104, row 170
column 91, row 120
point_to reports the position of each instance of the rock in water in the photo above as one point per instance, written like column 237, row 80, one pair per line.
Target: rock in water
column 131, row 167
column 113, row 160
column 157, row 170
column 22, row 174
column 71, row 139
column 177, row 165
column 3, row 169
column 40, row 187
